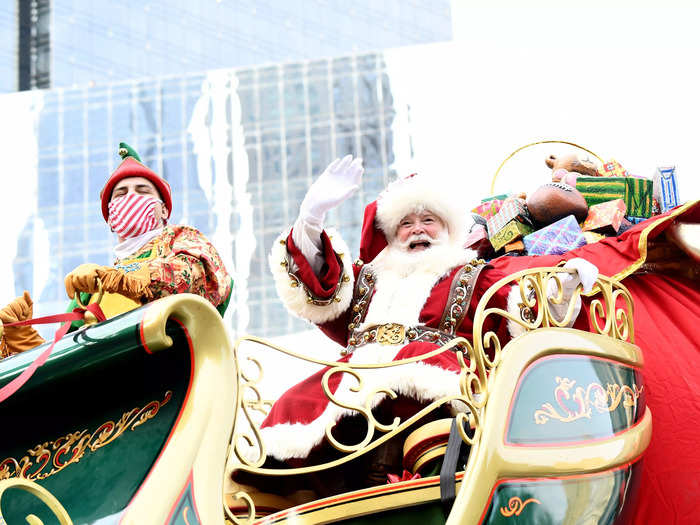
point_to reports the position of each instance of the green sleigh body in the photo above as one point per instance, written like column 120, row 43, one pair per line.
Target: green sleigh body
column 142, row 419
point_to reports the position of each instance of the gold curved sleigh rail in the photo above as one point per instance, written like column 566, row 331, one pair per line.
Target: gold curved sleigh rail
column 487, row 378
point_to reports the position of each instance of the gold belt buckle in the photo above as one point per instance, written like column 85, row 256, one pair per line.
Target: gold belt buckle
column 391, row 334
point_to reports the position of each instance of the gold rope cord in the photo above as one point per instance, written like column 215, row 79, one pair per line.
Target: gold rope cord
column 610, row 314
column 498, row 171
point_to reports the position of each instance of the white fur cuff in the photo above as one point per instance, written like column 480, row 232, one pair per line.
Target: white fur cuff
column 295, row 295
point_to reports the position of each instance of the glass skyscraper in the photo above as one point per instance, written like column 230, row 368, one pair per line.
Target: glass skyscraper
column 68, row 43
column 238, row 145
column 239, row 148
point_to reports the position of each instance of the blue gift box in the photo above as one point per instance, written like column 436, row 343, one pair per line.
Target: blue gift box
column 666, row 188
column 555, row 239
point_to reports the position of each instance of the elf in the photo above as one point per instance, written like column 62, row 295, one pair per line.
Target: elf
column 152, row 259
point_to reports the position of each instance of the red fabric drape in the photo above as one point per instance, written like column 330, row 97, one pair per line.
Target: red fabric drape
column 667, row 327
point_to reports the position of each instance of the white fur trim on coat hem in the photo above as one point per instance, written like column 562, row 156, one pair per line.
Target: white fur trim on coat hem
column 295, row 298
column 415, row 380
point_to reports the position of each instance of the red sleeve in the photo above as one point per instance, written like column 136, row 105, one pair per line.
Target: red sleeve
column 324, row 285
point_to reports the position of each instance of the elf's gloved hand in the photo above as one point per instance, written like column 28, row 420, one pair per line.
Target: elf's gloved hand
column 337, row 182
column 19, row 338
column 586, row 275
column 84, row 279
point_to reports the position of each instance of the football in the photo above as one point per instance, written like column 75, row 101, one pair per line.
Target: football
column 554, row 201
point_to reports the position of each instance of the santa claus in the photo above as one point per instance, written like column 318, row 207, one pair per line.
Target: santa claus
column 413, row 289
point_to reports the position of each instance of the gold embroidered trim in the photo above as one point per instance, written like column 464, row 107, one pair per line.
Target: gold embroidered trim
column 60, row 453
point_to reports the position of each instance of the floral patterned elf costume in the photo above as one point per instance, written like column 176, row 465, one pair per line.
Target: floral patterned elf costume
column 164, row 260
column 153, row 260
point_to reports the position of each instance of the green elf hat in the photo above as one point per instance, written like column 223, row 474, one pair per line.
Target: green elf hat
column 131, row 166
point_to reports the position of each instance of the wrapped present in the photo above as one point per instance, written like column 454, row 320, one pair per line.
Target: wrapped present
column 511, row 232
column 636, row 220
column 555, row 239
column 510, row 209
column 501, row 197
column 612, row 168
column 517, row 246
column 592, row 237
column 476, row 234
column 666, row 188
column 624, row 225
column 601, row 189
column 605, row 217
column 638, row 196
column 478, row 240
column 489, row 208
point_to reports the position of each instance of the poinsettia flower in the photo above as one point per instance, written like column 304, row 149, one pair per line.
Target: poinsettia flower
column 406, row 476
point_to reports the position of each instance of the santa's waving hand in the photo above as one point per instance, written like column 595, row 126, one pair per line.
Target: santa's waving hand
column 338, row 182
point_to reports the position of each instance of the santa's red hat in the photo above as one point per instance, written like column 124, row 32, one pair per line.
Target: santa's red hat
column 131, row 166
column 372, row 240
column 407, row 195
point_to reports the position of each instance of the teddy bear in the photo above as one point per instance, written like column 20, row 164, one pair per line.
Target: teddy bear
column 566, row 168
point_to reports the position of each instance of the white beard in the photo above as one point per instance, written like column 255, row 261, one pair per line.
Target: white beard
column 405, row 279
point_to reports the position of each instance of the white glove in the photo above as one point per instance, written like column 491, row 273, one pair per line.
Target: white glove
column 337, row 182
column 586, row 275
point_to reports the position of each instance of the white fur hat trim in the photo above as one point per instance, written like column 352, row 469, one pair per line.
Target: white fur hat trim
column 417, row 193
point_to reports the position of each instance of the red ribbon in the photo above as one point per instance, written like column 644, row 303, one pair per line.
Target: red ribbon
column 76, row 315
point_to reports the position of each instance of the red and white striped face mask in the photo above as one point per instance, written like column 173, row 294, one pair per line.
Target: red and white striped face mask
column 132, row 215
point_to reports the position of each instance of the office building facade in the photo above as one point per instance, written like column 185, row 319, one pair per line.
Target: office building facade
column 239, row 148
column 65, row 43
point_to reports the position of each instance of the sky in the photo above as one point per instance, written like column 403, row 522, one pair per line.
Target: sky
column 622, row 81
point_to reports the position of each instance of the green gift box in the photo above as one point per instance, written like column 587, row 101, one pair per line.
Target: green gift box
column 637, row 192
column 512, row 231
column 501, row 197
column 638, row 196
column 601, row 189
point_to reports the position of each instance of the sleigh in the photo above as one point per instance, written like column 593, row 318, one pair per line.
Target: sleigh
column 150, row 416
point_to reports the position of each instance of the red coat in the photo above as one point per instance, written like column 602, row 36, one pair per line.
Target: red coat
column 305, row 406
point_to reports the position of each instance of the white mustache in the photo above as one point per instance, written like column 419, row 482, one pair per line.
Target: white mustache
column 421, row 237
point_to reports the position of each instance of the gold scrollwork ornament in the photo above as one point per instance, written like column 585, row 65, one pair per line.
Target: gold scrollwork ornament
column 41, row 493
column 66, row 450
column 516, row 506
column 593, row 396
